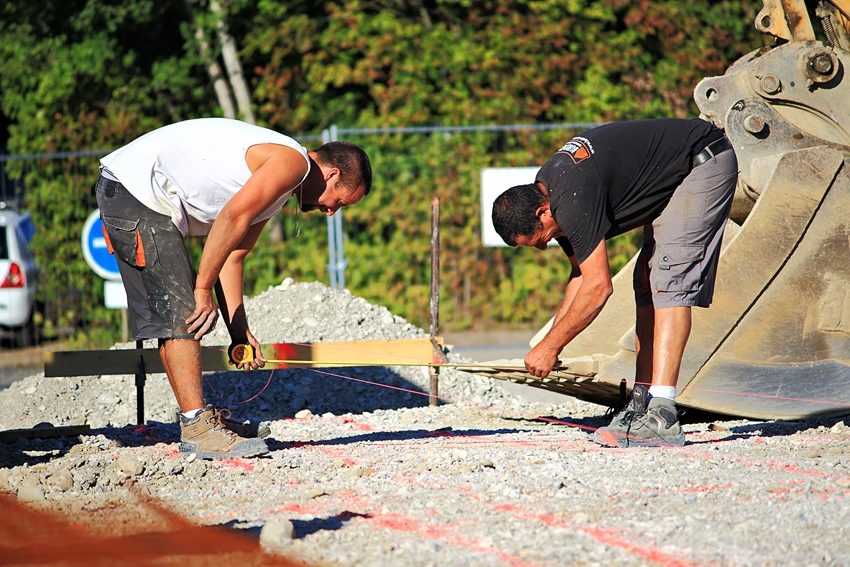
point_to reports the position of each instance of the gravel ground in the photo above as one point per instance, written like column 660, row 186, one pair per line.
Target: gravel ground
column 364, row 474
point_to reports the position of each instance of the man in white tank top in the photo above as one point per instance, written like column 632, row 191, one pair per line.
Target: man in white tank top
column 224, row 179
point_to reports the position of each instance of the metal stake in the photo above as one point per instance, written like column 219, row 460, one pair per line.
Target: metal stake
column 140, row 386
column 336, row 257
column 434, row 371
column 332, row 251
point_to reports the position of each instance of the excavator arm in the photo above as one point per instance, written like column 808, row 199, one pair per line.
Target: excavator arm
column 776, row 341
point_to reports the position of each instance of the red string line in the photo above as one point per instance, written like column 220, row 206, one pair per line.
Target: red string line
column 694, row 388
column 216, row 394
column 585, row 428
column 597, row 377
column 400, row 389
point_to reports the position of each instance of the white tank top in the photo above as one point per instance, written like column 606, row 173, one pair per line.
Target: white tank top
column 191, row 169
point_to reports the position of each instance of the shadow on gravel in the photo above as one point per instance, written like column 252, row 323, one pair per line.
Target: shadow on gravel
column 591, row 423
column 261, row 396
column 151, row 433
column 303, row 528
column 781, row 428
column 35, row 451
column 30, row 452
column 585, row 423
column 747, row 430
column 408, row 435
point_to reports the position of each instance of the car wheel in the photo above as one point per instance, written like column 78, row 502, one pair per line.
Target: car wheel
column 25, row 334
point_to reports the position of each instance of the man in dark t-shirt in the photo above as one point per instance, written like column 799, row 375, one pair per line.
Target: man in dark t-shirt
column 676, row 179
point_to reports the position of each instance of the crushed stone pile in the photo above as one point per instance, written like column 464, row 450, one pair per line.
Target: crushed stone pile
column 460, row 486
column 289, row 312
column 359, row 474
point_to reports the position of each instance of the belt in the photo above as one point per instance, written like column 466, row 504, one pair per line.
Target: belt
column 714, row 148
column 108, row 186
column 107, row 183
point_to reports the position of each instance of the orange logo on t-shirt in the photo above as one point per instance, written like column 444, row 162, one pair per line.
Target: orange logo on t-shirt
column 579, row 149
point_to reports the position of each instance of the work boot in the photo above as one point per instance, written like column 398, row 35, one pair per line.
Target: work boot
column 642, row 426
column 245, row 428
column 636, row 402
column 208, row 437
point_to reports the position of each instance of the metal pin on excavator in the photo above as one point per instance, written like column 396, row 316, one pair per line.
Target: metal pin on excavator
column 776, row 341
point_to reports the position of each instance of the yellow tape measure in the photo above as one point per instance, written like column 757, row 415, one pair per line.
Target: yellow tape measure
column 244, row 353
column 240, row 353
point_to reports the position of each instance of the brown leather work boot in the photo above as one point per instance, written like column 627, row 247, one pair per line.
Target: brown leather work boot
column 207, row 437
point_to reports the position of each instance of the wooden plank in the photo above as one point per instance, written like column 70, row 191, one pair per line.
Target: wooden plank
column 214, row 359
column 100, row 362
column 44, row 432
column 394, row 352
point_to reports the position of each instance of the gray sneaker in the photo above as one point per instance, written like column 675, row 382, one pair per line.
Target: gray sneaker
column 637, row 402
column 640, row 426
column 208, row 437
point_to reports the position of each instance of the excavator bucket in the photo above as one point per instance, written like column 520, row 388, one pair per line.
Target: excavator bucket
column 775, row 344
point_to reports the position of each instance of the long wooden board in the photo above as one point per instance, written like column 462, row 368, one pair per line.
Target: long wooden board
column 215, row 359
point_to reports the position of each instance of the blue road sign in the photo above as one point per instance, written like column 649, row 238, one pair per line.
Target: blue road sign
column 95, row 251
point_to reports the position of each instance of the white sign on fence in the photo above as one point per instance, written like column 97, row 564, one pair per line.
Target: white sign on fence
column 114, row 295
column 494, row 181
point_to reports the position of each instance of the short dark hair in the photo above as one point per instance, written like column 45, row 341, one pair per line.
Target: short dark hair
column 353, row 164
column 515, row 212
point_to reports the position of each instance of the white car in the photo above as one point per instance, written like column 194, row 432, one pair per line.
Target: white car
column 18, row 276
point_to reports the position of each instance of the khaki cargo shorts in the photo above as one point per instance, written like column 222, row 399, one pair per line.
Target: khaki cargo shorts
column 677, row 264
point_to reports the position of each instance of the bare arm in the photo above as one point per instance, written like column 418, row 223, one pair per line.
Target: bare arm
column 573, row 286
column 229, row 292
column 584, row 299
column 276, row 171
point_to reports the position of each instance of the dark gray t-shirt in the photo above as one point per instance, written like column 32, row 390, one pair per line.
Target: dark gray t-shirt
column 619, row 176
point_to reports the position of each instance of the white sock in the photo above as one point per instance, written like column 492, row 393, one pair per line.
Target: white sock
column 191, row 413
column 666, row 392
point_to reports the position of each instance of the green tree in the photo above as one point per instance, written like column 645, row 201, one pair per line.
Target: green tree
column 86, row 75
column 463, row 62
column 94, row 74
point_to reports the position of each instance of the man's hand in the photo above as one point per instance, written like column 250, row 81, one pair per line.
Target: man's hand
column 259, row 361
column 203, row 320
column 541, row 360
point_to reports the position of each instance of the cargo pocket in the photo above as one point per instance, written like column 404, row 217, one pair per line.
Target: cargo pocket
column 677, row 268
column 125, row 240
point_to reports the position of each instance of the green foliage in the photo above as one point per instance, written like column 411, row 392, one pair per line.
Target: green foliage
column 505, row 61
column 83, row 75
column 94, row 74
column 93, row 338
column 464, row 63
column 389, row 232
column 72, row 293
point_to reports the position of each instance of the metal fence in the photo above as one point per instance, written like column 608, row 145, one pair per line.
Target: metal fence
column 336, row 256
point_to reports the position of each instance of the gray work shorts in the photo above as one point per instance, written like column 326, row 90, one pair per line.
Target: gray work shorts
column 677, row 264
column 153, row 262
